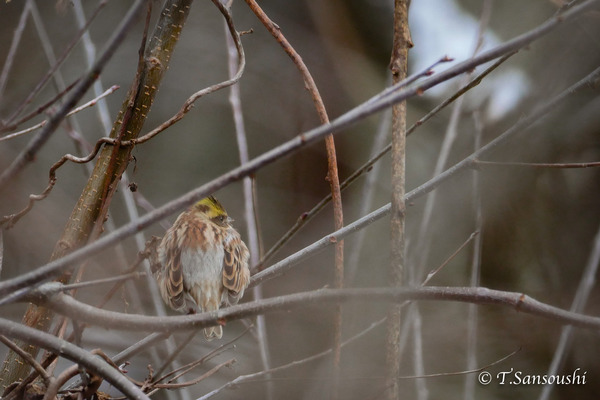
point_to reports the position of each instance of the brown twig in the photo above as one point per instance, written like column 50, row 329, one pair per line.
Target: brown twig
column 332, row 173
column 189, row 103
column 464, row 372
column 431, row 274
column 402, row 42
column 179, row 372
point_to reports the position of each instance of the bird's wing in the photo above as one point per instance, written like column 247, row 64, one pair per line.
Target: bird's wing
column 171, row 286
column 236, row 274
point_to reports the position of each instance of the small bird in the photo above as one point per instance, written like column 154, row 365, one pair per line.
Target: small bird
column 202, row 262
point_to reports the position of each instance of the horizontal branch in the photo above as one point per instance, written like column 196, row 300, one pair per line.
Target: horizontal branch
column 66, row 305
column 346, row 120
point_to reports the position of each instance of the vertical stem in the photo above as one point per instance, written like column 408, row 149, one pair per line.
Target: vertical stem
column 332, row 177
column 475, row 269
column 339, row 261
column 249, row 201
column 399, row 66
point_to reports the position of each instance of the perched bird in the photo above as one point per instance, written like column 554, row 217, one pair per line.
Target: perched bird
column 202, row 262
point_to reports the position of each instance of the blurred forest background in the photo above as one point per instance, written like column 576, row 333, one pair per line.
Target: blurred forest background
column 538, row 225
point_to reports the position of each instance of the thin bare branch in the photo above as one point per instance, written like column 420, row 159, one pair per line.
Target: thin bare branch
column 189, row 103
column 207, row 374
column 465, row 372
column 473, row 312
column 173, row 355
column 55, row 64
column 586, row 284
column 433, row 273
column 266, row 373
column 120, row 278
column 37, row 111
column 73, row 353
column 140, row 346
column 250, row 201
column 53, row 387
column 10, row 220
column 27, row 357
column 14, row 45
column 593, row 164
column 427, row 187
column 28, row 154
column 1, row 250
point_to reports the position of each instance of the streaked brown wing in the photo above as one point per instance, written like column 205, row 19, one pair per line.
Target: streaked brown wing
column 236, row 275
column 173, row 284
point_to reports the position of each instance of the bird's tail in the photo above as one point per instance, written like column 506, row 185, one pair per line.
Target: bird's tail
column 208, row 302
column 213, row 332
column 216, row 331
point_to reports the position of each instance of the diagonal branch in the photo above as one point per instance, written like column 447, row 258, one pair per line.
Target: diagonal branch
column 28, row 154
column 73, row 353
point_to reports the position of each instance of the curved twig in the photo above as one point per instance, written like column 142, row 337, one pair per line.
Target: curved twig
column 189, row 103
column 332, row 168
